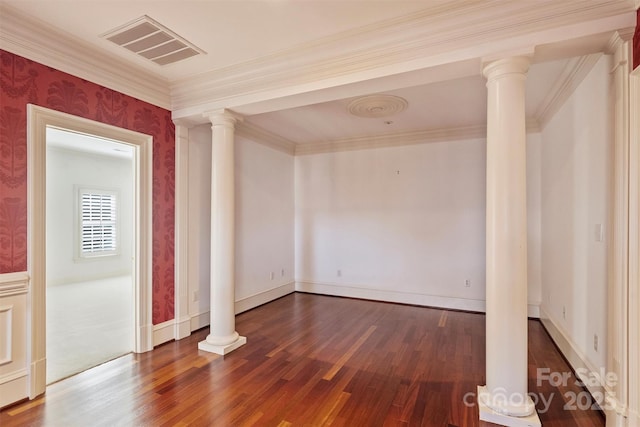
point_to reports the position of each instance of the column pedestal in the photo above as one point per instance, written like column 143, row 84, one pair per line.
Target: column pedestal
column 222, row 349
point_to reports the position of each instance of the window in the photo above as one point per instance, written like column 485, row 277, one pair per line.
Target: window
column 98, row 223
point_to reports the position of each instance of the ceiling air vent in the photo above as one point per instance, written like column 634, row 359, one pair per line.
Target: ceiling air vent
column 152, row 41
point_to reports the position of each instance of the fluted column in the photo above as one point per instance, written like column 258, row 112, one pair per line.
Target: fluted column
column 504, row 399
column 222, row 337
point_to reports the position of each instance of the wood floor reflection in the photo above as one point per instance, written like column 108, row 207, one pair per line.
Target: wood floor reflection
column 310, row 361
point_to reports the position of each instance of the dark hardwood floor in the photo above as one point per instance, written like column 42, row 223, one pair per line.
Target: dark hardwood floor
column 310, row 361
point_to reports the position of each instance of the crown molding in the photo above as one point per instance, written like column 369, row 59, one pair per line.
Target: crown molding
column 442, row 33
column 393, row 140
column 403, row 138
column 43, row 43
column 264, row 137
column 619, row 37
column 570, row 78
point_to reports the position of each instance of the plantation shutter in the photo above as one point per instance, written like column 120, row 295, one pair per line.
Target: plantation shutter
column 98, row 230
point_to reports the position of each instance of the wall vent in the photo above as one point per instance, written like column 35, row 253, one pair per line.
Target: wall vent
column 152, row 41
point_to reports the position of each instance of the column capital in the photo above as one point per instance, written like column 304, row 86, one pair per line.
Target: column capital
column 617, row 39
column 222, row 117
column 184, row 122
column 500, row 67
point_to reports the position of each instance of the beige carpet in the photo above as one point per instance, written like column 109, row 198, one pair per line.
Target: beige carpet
column 88, row 324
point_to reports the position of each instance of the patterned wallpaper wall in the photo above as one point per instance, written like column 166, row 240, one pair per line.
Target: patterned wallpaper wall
column 23, row 81
column 636, row 43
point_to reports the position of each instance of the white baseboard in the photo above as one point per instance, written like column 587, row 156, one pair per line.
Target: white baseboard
column 163, row 332
column 14, row 387
column 264, row 297
column 401, row 297
column 200, row 320
column 183, row 327
column 169, row 330
column 576, row 358
column 533, row 310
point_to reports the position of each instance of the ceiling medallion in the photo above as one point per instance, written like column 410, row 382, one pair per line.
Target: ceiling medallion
column 374, row 106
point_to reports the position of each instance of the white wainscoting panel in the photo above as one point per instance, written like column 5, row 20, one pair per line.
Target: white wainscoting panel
column 14, row 380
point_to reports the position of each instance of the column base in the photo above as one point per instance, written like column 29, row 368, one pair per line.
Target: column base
column 222, row 349
column 491, row 416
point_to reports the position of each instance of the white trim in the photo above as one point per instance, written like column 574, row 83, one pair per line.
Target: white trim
column 634, row 250
column 393, row 140
column 6, row 312
column 14, row 283
column 43, row 43
column 401, row 139
column 163, row 332
column 13, row 387
column 171, row 329
column 200, row 320
column 181, row 288
column 618, row 258
column 435, row 35
column 262, row 136
column 253, row 301
column 412, row 298
column 430, row 37
column 38, row 118
column 576, row 358
column 570, row 78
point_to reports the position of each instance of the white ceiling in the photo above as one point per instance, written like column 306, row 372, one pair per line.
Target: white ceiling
column 230, row 31
column 265, row 58
column 446, row 104
column 74, row 141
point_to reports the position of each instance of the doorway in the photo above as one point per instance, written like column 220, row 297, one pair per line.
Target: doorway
column 89, row 251
column 40, row 120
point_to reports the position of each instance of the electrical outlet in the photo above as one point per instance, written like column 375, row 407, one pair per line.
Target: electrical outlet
column 339, row 273
column 271, row 276
column 599, row 233
column 564, row 313
column 467, row 283
column 282, row 272
column 196, row 296
column 595, row 342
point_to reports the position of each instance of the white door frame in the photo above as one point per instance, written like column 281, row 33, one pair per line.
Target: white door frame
column 634, row 251
column 38, row 118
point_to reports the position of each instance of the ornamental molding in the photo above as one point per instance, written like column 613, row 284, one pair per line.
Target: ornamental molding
column 38, row 41
column 434, row 36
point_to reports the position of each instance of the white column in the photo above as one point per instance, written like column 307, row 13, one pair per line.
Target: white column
column 504, row 399
column 222, row 337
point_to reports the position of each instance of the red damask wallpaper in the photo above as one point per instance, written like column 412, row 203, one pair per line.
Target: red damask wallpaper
column 23, row 81
column 636, row 43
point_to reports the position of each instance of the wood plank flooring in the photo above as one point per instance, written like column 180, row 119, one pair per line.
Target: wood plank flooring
column 310, row 360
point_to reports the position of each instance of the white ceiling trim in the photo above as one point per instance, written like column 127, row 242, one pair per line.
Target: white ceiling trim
column 40, row 42
column 403, row 44
column 572, row 75
column 401, row 139
column 393, row 140
column 264, row 137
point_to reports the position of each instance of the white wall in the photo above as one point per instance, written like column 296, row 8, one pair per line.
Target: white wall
column 67, row 169
column 264, row 223
column 402, row 224
column 576, row 165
